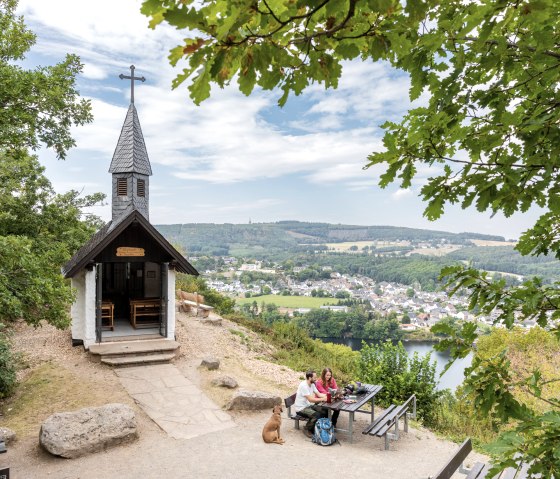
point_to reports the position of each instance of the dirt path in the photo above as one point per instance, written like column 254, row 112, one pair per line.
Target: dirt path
column 232, row 453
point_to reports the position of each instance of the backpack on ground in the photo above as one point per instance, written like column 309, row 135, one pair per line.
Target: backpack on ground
column 324, row 432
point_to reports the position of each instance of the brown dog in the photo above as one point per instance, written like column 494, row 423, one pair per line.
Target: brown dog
column 271, row 430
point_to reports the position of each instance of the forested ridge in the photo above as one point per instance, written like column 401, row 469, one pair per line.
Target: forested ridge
column 266, row 239
column 305, row 245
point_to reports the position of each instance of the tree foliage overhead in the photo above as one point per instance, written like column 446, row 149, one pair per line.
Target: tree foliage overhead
column 39, row 229
column 36, row 106
column 489, row 131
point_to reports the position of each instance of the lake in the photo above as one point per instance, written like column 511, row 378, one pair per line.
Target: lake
column 450, row 380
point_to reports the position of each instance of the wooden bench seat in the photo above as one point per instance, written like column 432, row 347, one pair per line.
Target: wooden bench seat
column 202, row 310
column 144, row 313
column 107, row 315
column 289, row 402
column 389, row 419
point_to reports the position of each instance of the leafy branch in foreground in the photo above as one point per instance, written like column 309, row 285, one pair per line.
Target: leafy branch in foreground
column 530, row 436
column 529, row 301
column 489, row 132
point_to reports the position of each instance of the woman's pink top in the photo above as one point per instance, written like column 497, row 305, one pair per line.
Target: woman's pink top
column 321, row 387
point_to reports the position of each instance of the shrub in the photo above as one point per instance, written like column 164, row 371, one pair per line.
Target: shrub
column 389, row 365
column 456, row 418
column 295, row 349
column 7, row 367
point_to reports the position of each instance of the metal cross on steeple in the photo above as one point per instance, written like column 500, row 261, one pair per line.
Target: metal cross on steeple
column 131, row 78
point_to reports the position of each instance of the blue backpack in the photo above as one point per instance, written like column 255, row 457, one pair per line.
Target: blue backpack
column 324, row 432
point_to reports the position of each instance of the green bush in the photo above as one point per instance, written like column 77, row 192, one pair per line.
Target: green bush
column 7, row 367
column 389, row 365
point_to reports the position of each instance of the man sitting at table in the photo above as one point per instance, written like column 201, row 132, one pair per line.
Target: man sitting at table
column 305, row 404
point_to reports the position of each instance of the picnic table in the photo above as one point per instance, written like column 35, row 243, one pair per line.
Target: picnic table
column 356, row 407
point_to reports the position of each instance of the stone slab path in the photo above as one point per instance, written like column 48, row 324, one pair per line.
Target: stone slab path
column 172, row 401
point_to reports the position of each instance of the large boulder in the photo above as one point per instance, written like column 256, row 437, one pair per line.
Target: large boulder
column 73, row 434
column 7, row 435
column 225, row 382
column 211, row 363
column 253, row 400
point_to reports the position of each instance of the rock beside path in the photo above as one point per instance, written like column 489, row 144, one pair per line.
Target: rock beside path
column 74, row 434
column 7, row 435
column 211, row 363
column 225, row 382
column 253, row 400
column 214, row 321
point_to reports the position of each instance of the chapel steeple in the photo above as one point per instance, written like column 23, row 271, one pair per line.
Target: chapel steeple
column 130, row 166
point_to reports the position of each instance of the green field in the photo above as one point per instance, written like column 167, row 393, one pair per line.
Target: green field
column 288, row 301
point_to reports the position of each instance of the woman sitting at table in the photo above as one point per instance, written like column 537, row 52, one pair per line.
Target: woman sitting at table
column 326, row 384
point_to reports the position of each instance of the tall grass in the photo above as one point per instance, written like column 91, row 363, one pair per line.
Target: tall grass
column 456, row 419
column 295, row 349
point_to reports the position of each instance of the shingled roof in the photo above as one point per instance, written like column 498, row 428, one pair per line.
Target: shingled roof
column 130, row 154
column 100, row 240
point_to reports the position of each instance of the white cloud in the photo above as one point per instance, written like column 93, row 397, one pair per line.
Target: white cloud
column 94, row 72
column 402, row 193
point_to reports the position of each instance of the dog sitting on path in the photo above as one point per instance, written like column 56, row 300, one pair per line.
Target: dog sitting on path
column 271, row 430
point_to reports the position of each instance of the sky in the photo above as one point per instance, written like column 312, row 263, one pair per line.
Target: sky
column 233, row 159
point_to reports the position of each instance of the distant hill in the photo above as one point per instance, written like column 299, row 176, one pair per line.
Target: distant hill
column 266, row 240
column 393, row 254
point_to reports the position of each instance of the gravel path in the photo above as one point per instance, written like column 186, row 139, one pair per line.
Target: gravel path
column 233, row 453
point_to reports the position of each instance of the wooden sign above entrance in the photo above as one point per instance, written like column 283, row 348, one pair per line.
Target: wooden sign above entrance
column 129, row 251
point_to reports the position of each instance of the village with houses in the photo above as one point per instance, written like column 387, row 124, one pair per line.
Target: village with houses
column 423, row 308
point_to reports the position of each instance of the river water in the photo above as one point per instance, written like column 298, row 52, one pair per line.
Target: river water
column 452, row 378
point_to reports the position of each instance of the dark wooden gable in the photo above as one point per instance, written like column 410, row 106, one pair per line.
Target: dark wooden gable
column 134, row 236
column 132, row 231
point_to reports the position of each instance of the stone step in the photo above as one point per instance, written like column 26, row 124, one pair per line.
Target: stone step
column 143, row 337
column 145, row 347
column 138, row 360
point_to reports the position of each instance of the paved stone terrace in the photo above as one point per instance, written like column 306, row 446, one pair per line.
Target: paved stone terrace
column 173, row 402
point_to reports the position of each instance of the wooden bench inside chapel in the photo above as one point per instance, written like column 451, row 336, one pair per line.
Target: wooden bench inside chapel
column 144, row 313
column 107, row 315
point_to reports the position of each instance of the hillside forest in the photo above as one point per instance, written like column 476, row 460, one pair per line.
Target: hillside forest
column 402, row 255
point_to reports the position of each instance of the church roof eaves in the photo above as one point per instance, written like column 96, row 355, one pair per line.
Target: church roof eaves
column 109, row 232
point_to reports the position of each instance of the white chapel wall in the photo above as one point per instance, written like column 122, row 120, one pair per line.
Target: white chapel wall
column 171, row 304
column 89, row 307
column 77, row 310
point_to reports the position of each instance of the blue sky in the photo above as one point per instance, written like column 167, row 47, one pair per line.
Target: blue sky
column 234, row 158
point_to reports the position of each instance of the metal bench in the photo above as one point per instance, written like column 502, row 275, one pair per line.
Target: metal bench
column 382, row 425
column 479, row 470
column 456, row 462
column 289, row 402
